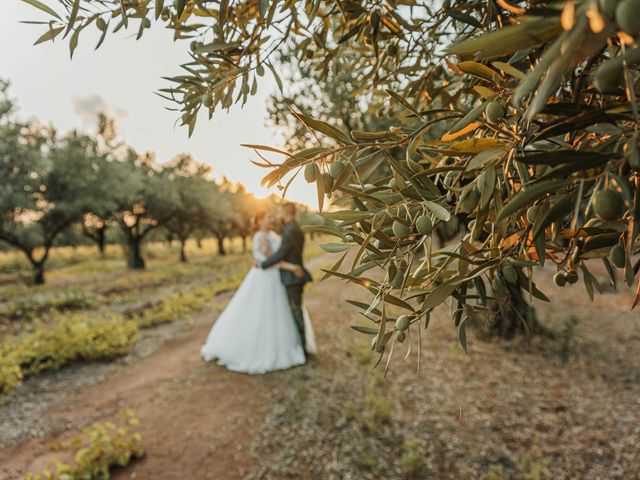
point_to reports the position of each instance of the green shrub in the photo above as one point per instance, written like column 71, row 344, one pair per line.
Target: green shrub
column 71, row 338
column 10, row 374
column 63, row 340
column 95, row 451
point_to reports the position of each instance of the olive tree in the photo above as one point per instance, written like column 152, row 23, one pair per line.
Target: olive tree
column 146, row 200
column 221, row 222
column 45, row 183
column 104, row 201
column 523, row 116
column 195, row 199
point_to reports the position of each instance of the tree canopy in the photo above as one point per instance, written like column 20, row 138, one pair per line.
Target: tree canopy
column 522, row 116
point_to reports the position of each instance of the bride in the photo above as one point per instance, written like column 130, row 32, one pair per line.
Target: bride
column 256, row 332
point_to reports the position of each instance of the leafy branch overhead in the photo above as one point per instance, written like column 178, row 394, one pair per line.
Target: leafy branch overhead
column 518, row 119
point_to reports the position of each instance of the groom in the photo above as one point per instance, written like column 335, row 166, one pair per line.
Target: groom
column 291, row 251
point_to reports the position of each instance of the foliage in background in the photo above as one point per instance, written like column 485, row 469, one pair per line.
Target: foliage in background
column 521, row 116
column 57, row 188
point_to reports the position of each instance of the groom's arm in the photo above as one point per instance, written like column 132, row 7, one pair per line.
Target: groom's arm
column 281, row 253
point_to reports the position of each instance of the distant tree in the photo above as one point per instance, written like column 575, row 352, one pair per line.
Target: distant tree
column 195, row 199
column 221, row 222
column 103, row 201
column 146, row 200
column 45, row 183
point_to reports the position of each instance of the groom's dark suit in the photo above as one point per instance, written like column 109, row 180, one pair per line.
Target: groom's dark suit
column 291, row 251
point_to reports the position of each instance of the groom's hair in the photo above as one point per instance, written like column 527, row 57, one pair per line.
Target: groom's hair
column 289, row 208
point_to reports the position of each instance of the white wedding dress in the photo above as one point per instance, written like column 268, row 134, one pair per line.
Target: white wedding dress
column 256, row 332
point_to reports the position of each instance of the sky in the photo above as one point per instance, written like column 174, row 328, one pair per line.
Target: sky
column 121, row 77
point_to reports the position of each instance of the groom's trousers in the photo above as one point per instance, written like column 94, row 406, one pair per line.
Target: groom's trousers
column 294, row 293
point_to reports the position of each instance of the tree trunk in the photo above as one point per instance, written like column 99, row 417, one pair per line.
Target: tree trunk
column 183, row 254
column 244, row 244
column 134, row 258
column 38, row 273
column 221, row 250
column 99, row 237
column 507, row 321
column 101, row 240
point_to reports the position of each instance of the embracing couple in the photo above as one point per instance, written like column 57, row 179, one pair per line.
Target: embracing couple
column 265, row 326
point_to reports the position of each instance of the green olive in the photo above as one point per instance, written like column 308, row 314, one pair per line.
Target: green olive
column 572, row 277
column 510, row 273
column 618, row 256
column 607, row 204
column 327, row 182
column 402, row 323
column 560, row 279
column 310, row 172
column 532, row 213
column 632, row 152
column 400, row 229
column 495, row 112
column 336, row 169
